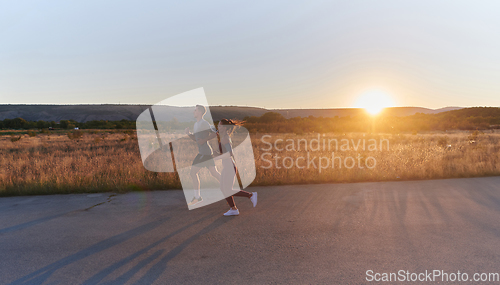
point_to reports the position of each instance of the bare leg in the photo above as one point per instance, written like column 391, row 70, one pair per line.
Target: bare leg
column 230, row 199
column 230, row 202
column 196, row 181
column 227, row 180
column 215, row 173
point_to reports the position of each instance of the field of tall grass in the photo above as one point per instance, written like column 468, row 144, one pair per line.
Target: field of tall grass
column 99, row 161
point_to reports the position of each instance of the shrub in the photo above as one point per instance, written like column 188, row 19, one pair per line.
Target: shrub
column 15, row 139
column 75, row 135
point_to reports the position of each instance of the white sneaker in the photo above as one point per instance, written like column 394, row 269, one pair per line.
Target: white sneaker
column 232, row 212
column 195, row 201
column 254, row 199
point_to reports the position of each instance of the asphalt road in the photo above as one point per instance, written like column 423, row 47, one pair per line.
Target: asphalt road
column 303, row 234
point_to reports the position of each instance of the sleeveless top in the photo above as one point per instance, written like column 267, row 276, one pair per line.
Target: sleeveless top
column 227, row 147
column 227, row 162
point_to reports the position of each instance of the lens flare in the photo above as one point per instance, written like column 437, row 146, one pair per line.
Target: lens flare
column 374, row 101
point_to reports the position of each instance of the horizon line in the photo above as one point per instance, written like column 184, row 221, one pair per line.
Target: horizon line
column 241, row 106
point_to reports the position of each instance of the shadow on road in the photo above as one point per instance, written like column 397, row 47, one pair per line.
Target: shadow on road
column 41, row 275
column 155, row 272
column 157, row 269
column 29, row 224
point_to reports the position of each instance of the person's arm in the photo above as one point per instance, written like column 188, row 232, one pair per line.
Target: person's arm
column 228, row 153
column 190, row 135
column 211, row 135
column 229, row 147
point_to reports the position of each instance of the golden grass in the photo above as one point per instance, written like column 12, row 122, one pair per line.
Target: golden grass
column 409, row 157
column 94, row 163
column 104, row 161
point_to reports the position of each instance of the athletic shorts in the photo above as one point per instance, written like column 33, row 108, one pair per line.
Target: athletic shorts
column 203, row 161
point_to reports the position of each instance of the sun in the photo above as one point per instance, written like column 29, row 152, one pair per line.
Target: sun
column 374, row 101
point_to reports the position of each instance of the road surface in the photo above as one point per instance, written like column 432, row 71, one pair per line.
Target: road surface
column 301, row 234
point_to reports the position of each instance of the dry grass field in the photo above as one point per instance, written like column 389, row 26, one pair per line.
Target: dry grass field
column 110, row 161
column 404, row 157
column 54, row 163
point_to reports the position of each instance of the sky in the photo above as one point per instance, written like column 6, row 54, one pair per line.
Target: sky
column 271, row 54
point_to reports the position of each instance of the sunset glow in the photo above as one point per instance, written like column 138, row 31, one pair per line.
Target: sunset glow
column 374, row 101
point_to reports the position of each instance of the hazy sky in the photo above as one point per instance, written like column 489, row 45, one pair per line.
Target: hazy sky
column 281, row 54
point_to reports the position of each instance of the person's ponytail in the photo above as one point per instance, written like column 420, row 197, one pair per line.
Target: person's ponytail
column 233, row 123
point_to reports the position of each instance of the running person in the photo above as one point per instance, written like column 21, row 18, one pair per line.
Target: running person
column 226, row 128
column 202, row 134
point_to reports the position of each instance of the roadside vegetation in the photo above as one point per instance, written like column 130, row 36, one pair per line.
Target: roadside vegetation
column 84, row 161
column 99, row 156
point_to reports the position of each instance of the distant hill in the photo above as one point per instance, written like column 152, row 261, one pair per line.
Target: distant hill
column 79, row 113
column 446, row 109
column 474, row 112
column 112, row 112
column 408, row 111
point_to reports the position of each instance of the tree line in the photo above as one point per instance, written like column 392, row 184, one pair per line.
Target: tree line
column 22, row 124
column 477, row 118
